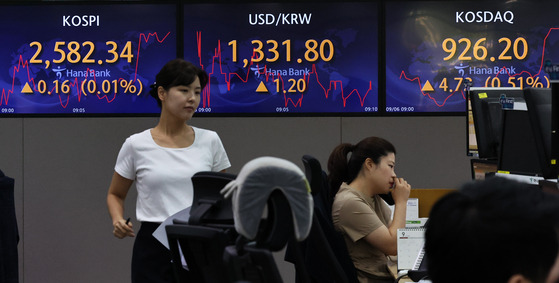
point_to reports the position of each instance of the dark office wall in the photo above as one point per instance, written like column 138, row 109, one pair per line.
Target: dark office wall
column 62, row 168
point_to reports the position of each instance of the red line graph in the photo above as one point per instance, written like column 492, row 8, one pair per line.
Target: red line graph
column 289, row 99
column 74, row 83
column 503, row 70
column 541, row 63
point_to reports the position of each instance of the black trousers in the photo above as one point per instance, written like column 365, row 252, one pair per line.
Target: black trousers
column 151, row 261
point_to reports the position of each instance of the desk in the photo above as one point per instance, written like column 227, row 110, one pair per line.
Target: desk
column 427, row 198
column 393, row 268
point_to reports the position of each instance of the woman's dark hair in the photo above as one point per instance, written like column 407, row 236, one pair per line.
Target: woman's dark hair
column 177, row 72
column 343, row 170
column 490, row 230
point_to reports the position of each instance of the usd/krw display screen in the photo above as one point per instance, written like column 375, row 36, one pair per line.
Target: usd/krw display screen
column 285, row 58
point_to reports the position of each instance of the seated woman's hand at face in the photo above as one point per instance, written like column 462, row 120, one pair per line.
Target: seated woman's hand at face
column 401, row 190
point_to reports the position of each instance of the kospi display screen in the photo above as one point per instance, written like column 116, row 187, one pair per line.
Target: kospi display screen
column 83, row 59
column 285, row 58
column 435, row 49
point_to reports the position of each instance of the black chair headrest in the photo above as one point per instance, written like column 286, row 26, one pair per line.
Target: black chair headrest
column 313, row 172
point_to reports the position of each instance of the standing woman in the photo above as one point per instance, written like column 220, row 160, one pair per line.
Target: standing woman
column 358, row 211
column 161, row 161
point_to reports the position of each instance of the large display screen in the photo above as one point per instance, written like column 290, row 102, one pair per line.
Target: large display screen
column 280, row 59
column 285, row 58
column 83, row 59
column 435, row 49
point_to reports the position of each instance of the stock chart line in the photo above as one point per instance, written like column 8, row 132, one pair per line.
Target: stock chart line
column 146, row 40
column 21, row 64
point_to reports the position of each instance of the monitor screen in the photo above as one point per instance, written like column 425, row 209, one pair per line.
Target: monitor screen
column 83, row 59
column 285, row 58
column 281, row 59
column 486, row 118
column 539, row 103
column 518, row 152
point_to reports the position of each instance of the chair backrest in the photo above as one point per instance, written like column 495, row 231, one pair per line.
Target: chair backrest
column 201, row 240
column 325, row 253
column 209, row 207
column 320, row 187
column 253, row 261
column 202, row 249
column 271, row 205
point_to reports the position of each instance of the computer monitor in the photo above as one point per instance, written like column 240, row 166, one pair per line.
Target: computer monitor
column 518, row 150
column 486, row 117
column 544, row 120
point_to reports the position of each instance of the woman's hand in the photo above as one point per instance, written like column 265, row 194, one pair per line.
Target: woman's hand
column 123, row 229
column 401, row 191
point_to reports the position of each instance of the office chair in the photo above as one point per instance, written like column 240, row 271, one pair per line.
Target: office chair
column 271, row 206
column 202, row 239
column 202, row 248
column 413, row 275
column 326, row 257
column 208, row 205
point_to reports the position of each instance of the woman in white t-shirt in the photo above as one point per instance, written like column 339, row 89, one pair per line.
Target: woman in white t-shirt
column 161, row 161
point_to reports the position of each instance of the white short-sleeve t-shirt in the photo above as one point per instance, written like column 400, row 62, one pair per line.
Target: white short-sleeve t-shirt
column 163, row 175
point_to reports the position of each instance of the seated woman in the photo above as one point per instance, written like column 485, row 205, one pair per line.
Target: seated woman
column 359, row 213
